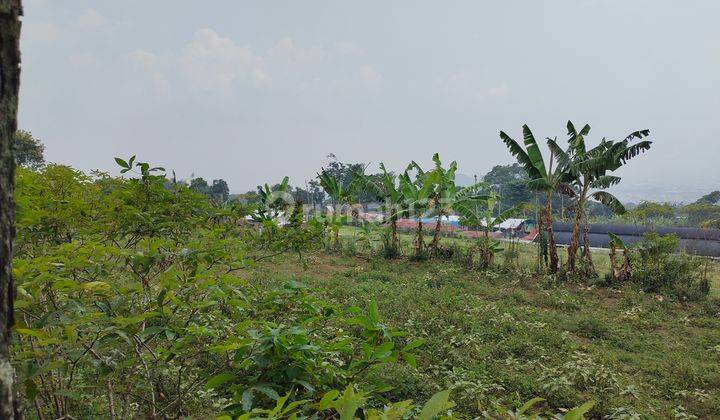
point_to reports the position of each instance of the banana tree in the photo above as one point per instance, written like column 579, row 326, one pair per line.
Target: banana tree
column 386, row 190
column 542, row 178
column 444, row 194
column 415, row 202
column 479, row 212
column 272, row 201
column 590, row 170
column 619, row 272
column 339, row 196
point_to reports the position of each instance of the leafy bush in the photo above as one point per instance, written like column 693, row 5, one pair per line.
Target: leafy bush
column 658, row 269
column 134, row 301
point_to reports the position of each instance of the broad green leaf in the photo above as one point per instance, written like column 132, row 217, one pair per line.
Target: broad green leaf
column 436, row 405
column 529, row 404
column 122, row 163
column 219, row 379
column 413, row 344
column 578, row 413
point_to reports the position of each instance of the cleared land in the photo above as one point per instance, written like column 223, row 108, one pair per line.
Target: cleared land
column 499, row 338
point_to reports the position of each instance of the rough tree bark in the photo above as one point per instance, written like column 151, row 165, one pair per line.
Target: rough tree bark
column 10, row 12
column 575, row 238
column 586, row 255
column 419, row 243
column 436, row 235
column 393, row 228
column 552, row 248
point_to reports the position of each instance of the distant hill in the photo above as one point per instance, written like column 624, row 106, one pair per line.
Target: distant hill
column 711, row 198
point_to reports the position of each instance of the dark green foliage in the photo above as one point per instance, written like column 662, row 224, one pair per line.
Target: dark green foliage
column 710, row 198
column 658, row 268
column 28, row 150
column 510, row 181
column 144, row 292
column 130, row 289
column 218, row 191
column 699, row 213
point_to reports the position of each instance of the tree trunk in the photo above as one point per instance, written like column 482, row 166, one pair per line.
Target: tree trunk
column 614, row 269
column 419, row 244
column 436, row 236
column 575, row 238
column 10, row 12
column 542, row 254
column 587, row 256
column 393, row 228
column 552, row 250
column 626, row 269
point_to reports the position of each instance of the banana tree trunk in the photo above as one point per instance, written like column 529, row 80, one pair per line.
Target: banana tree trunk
column 587, row 256
column 626, row 269
column 393, row 229
column 542, row 244
column 575, row 238
column 552, row 250
column 436, row 236
column 419, row 243
column 614, row 270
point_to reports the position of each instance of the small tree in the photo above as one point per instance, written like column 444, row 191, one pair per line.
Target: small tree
column 199, row 185
column 220, row 190
column 272, row 201
column 590, row 176
column 479, row 212
column 416, row 200
column 28, row 150
column 619, row 272
column 339, row 194
column 386, row 190
column 543, row 179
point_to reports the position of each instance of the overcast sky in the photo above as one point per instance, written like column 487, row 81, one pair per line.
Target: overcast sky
column 251, row 91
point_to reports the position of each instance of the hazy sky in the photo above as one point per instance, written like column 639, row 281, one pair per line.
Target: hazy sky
column 251, row 91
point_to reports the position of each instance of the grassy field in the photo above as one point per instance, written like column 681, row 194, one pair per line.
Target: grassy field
column 501, row 339
column 527, row 255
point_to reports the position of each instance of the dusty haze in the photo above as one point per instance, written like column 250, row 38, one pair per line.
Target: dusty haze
column 252, row 91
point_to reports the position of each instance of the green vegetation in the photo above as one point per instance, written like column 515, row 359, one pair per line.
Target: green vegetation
column 503, row 337
column 28, row 150
column 131, row 304
column 143, row 297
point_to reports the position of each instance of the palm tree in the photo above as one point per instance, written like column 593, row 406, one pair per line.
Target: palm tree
column 590, row 174
column 541, row 179
column 385, row 189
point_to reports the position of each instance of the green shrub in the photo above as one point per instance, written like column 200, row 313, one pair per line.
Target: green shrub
column 657, row 268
